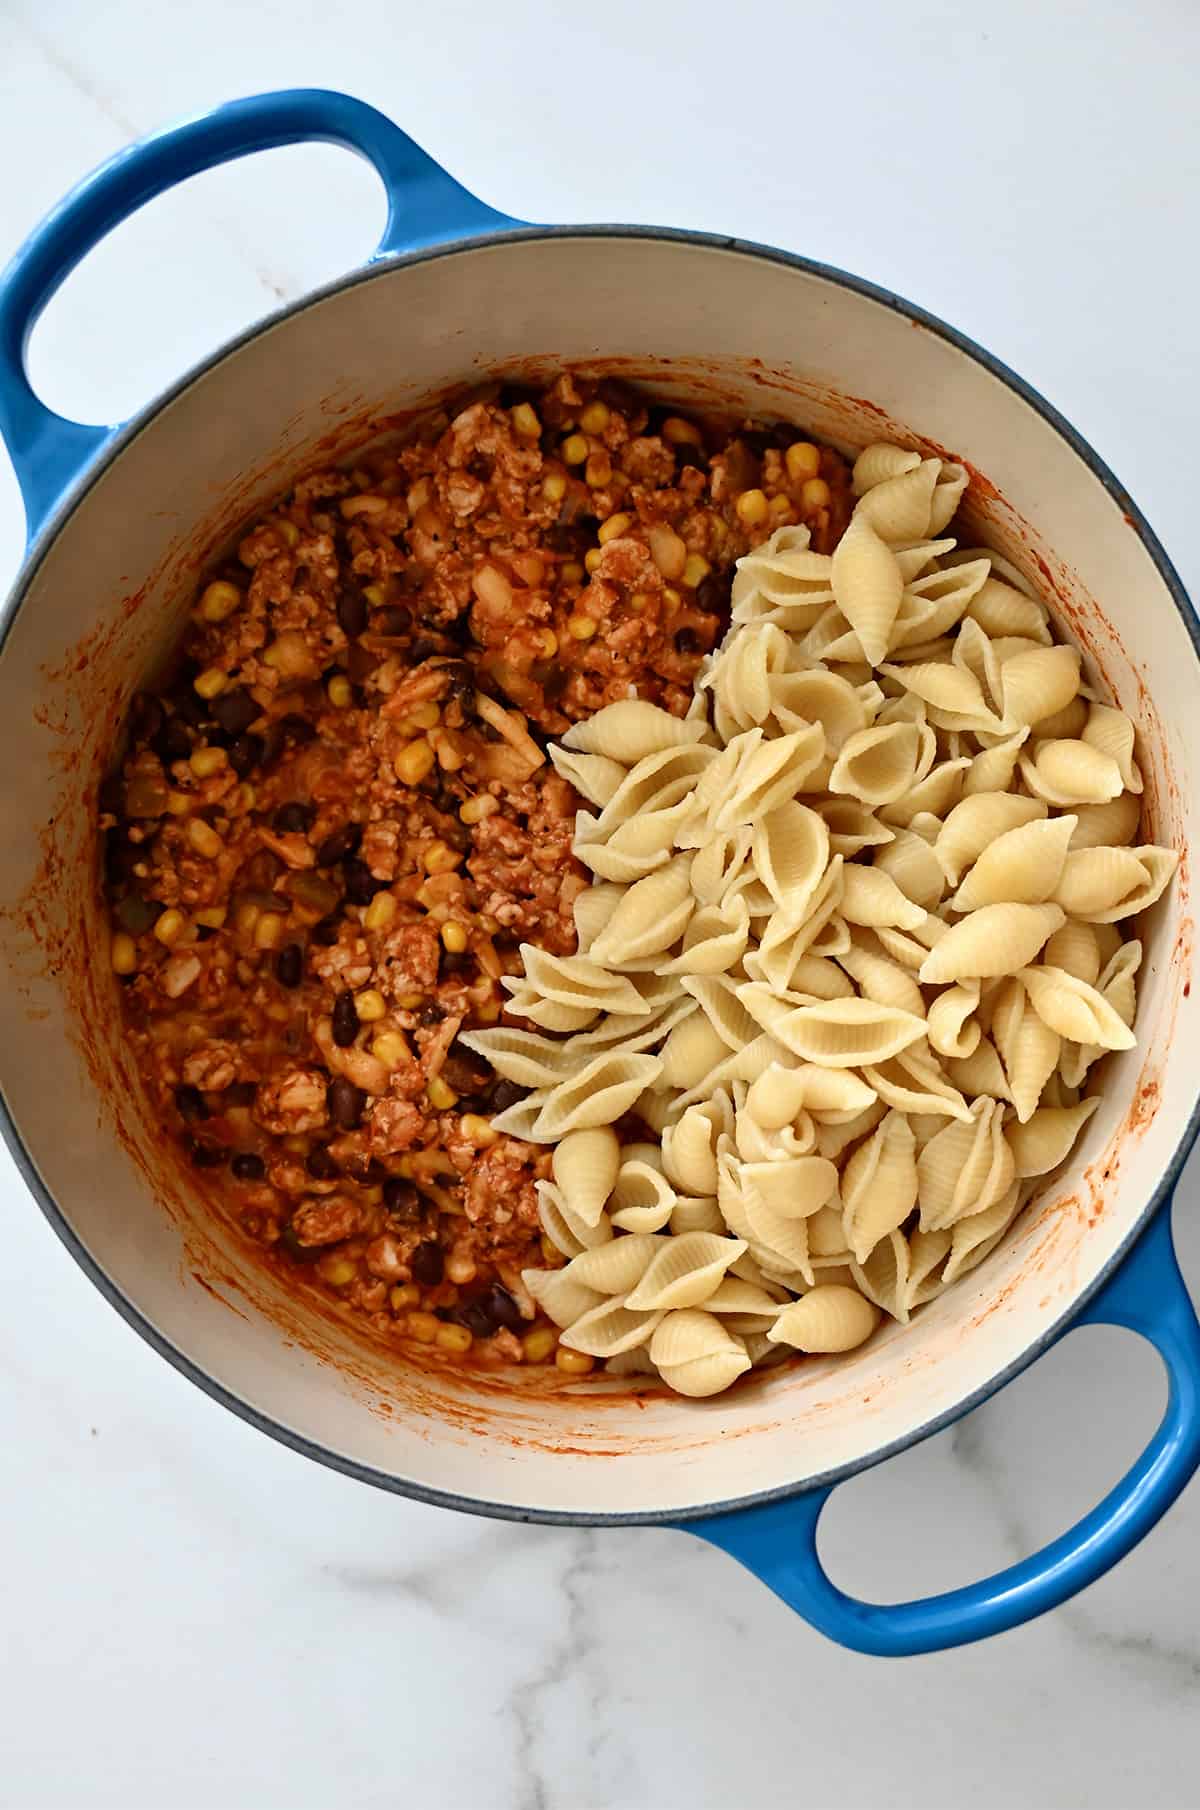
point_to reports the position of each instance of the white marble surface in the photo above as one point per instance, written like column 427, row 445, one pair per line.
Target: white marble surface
column 192, row 1616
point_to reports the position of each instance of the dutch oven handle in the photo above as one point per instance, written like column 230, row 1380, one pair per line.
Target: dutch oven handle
column 426, row 206
column 778, row 1540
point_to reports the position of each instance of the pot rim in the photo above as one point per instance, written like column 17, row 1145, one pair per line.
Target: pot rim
column 111, row 450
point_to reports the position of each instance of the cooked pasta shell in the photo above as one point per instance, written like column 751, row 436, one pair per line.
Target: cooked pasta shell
column 630, row 1364
column 577, row 982
column 613, row 860
column 944, row 686
column 693, row 1050
column 999, row 609
column 980, row 1072
column 964, row 1169
column 733, row 1296
column 1037, row 683
column 1047, row 1138
column 828, row 1318
column 972, row 1239
column 795, row 1189
column 883, row 980
column 651, row 917
column 1101, row 885
column 785, row 941
column 592, row 910
column 1028, row 1048
column 740, row 675
column 525, row 1057
column 1067, row 773
column 881, row 764
column 927, row 1254
column 883, row 1276
column 565, row 1230
column 898, row 508
column 758, row 1145
column 953, row 1030
column 852, row 826
column 872, row 897
column 1074, row 1009
column 994, row 940
column 820, row 978
column 913, row 1082
column 610, row 1328
column 561, row 1297
column 782, row 581
column 1116, row 982
column 767, row 774
column 1110, row 825
column 643, row 1200
column 618, row 1266
column 867, row 585
column 879, row 462
column 879, row 1185
column 909, row 948
column 838, row 1033
column 696, row 1213
column 791, row 853
column 597, row 1094
column 992, row 771
column 685, row 1272
column 717, row 865
column 816, row 695
column 585, row 1165
column 715, row 939
column 630, row 730
column 936, row 794
column 909, row 859
column 695, row 1353
column 779, row 1241
column 948, row 493
column 1112, row 733
column 689, row 1147
column 974, row 824
column 518, row 1120
column 595, row 777
column 1023, row 866
column 827, row 1236
column 781, row 1094
column 720, row 999
column 1075, row 948
column 551, row 1014
column 836, row 1133
column 654, row 785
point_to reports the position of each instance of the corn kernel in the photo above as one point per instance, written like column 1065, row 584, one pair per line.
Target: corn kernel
column 390, row 1048
column 696, row 570
column 370, row 1005
column 404, row 1295
column 781, row 509
column 803, row 460
column 423, row 1326
column 288, row 532
column 454, row 938
column 752, row 508
column 219, row 600
column 591, row 559
column 460, row 1269
column 594, row 418
column 574, row 449
column 641, row 600
column 474, row 810
column 615, row 525
column 380, row 912
column 678, row 432
column 450, row 757
column 439, row 858
column 170, row 927
column 339, row 1272
column 414, row 763
column 204, row 838
column 340, row 692
column 525, row 421
column 547, row 643
column 550, row 1252
column 375, row 595
column 211, row 916
column 671, row 597
column 206, row 762
column 441, row 1095
column 244, row 798
column 582, row 627
column 815, row 494
column 573, row 1363
column 478, row 1130
column 538, row 1344
column 245, row 918
column 179, row 803
column 554, row 488
column 268, row 930
column 123, row 953
column 410, row 1002
column 598, row 470
column 488, row 1012
column 571, row 572
column 453, row 1338
column 210, row 683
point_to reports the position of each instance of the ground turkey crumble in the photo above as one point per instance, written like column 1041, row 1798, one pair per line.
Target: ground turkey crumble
column 332, row 831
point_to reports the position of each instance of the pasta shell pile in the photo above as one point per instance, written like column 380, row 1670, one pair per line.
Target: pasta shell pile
column 851, row 948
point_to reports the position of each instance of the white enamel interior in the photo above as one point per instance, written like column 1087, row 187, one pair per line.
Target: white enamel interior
column 112, row 582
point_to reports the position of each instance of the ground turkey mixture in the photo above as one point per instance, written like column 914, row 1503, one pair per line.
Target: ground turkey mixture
column 331, row 832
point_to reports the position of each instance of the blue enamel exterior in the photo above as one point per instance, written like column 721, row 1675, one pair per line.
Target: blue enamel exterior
column 775, row 1538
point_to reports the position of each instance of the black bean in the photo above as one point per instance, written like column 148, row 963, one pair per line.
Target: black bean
column 401, row 1198
column 206, row 1155
column 456, row 962
column 247, row 1167
column 111, row 795
column 513, row 393
column 504, row 1309
column 192, row 708
column 430, row 1014
column 325, row 932
column 289, row 1238
column 423, row 649
column 687, row 641
column 464, row 1070
column 120, row 856
column 235, row 710
column 344, row 1019
column 477, row 1317
column 136, row 914
column 428, row 1264
column 294, row 816
column 245, row 753
column 320, row 1164
column 289, row 965
column 618, row 395
column 240, row 1093
column 146, row 717
column 346, row 1103
column 504, row 1094
column 712, row 594
column 360, row 883
column 297, row 729
column 457, row 834
column 391, row 621
column 174, row 740
column 190, row 1104
column 351, row 609
column 687, row 454
column 341, row 843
